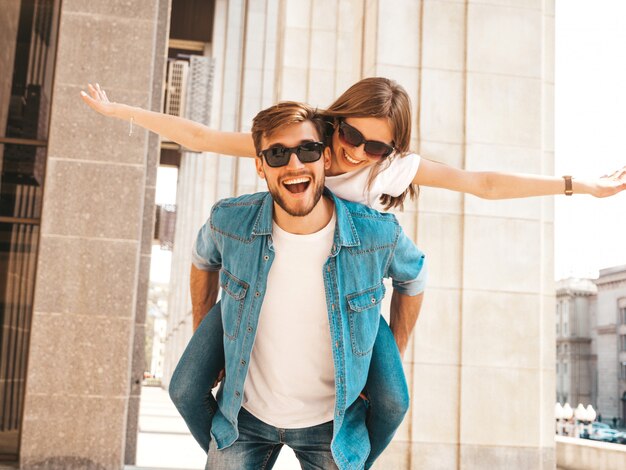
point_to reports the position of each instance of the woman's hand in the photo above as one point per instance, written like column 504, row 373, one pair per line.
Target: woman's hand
column 608, row 185
column 98, row 101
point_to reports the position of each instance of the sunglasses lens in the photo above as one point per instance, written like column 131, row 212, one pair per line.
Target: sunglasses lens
column 277, row 156
column 377, row 149
column 309, row 152
column 350, row 135
column 353, row 137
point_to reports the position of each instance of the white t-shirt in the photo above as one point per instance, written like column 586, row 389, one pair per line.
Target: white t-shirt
column 291, row 375
column 392, row 180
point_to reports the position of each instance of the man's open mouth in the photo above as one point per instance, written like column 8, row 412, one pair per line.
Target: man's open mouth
column 297, row 185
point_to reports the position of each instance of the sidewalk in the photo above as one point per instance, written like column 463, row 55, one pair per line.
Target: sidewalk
column 165, row 442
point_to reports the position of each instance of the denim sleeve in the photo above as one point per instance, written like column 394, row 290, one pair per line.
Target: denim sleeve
column 206, row 254
column 407, row 267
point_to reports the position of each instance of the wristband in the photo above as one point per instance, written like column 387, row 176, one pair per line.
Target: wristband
column 568, row 185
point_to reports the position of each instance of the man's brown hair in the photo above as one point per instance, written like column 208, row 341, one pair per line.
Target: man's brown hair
column 284, row 114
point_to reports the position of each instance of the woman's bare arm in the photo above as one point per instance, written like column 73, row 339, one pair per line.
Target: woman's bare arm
column 494, row 185
column 191, row 135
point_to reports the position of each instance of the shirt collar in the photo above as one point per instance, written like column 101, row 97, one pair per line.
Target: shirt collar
column 345, row 232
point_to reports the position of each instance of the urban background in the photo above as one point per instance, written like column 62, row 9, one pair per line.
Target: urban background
column 84, row 327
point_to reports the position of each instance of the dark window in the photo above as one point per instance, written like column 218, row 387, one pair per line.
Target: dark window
column 28, row 31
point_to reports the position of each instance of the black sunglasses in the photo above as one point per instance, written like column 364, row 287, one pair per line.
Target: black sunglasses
column 373, row 148
column 308, row 152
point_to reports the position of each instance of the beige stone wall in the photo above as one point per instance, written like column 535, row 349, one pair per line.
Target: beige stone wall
column 96, row 224
column 582, row 454
column 480, row 75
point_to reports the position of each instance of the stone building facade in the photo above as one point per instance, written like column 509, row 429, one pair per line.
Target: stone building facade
column 575, row 363
column 610, row 342
column 481, row 77
column 76, row 223
column 591, row 342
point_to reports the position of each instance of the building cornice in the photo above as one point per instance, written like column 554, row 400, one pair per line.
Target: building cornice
column 606, row 329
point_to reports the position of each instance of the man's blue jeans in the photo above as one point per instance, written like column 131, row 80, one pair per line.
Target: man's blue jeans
column 203, row 359
column 259, row 444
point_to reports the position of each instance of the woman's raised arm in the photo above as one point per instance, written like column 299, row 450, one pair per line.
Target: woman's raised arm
column 191, row 135
column 494, row 185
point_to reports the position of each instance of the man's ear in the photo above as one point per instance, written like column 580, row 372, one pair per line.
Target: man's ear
column 327, row 158
column 259, row 167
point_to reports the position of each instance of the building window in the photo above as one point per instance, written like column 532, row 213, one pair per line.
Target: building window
column 622, row 315
column 622, row 342
column 565, row 368
column 28, row 34
column 623, row 371
column 557, row 368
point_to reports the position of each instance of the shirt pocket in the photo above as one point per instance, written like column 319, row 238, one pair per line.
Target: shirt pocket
column 364, row 317
column 232, row 302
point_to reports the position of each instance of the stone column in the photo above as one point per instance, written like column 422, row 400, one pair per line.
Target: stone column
column 90, row 255
column 244, row 43
column 481, row 366
column 147, row 233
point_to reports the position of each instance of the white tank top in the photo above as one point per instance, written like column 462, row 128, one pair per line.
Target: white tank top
column 291, row 376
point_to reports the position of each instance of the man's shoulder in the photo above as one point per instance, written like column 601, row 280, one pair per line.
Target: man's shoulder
column 236, row 215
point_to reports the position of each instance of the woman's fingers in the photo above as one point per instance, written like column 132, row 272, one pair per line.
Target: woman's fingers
column 101, row 93
column 93, row 92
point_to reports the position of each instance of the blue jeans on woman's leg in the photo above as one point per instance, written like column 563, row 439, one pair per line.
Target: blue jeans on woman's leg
column 203, row 359
column 199, row 366
column 387, row 391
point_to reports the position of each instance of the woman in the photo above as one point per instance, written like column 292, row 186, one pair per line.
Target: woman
column 369, row 133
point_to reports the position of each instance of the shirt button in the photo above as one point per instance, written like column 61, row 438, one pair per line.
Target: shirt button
column 266, row 257
column 236, row 394
column 249, row 329
column 256, row 294
column 243, row 363
column 373, row 300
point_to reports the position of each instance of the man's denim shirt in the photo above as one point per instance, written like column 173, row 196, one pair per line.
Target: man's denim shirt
column 368, row 246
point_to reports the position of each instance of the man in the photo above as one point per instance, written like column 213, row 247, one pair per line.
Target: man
column 301, row 274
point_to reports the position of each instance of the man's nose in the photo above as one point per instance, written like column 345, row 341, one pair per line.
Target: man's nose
column 294, row 161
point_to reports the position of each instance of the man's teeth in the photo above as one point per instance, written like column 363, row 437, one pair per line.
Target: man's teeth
column 296, row 181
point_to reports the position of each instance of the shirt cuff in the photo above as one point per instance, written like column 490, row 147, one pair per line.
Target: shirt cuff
column 200, row 263
column 415, row 286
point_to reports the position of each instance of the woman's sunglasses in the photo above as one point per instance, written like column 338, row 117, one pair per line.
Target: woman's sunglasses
column 353, row 137
column 308, row 152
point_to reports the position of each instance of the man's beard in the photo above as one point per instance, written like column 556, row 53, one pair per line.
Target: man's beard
column 299, row 211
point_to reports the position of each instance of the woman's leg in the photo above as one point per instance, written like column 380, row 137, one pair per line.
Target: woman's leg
column 387, row 391
column 197, row 370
